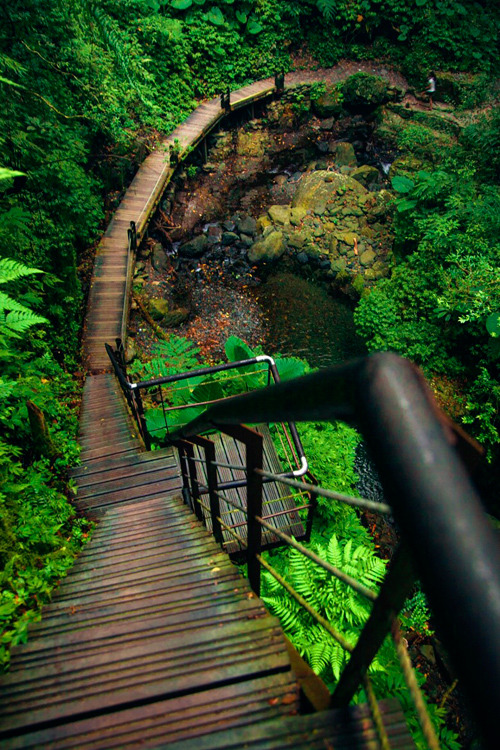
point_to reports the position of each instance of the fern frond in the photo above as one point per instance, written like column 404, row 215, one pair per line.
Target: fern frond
column 327, row 8
column 11, row 270
column 319, row 656
column 19, row 321
column 334, row 554
column 337, row 659
column 287, row 610
column 6, row 388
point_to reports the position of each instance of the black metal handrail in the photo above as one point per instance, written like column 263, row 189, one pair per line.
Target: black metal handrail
column 132, row 391
column 434, row 502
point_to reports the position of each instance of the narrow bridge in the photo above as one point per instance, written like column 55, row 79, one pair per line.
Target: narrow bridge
column 155, row 639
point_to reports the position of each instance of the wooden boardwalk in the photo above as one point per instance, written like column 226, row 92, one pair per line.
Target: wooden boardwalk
column 107, row 297
column 154, row 639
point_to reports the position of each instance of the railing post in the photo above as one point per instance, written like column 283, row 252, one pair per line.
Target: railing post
column 173, row 156
column 132, row 236
column 186, row 494
column 212, row 492
column 195, row 489
column 253, row 441
column 279, row 81
column 225, row 100
column 139, row 406
column 313, row 503
column 211, row 469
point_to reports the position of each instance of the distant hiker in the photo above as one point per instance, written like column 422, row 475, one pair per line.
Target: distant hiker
column 431, row 87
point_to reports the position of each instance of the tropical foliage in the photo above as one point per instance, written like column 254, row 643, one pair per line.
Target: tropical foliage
column 39, row 535
column 190, row 396
column 441, row 305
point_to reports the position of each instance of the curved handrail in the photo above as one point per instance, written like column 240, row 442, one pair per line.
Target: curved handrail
column 433, row 499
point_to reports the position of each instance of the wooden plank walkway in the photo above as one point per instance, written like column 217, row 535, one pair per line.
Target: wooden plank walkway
column 154, row 635
column 107, row 296
column 154, row 639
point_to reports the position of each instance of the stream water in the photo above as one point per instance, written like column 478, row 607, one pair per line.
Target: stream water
column 303, row 320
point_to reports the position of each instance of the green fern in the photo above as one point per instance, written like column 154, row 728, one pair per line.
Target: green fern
column 338, row 603
column 327, row 8
column 128, row 58
column 15, row 318
column 12, row 270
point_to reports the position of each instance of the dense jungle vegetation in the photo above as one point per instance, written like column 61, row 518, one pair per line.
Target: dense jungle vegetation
column 88, row 86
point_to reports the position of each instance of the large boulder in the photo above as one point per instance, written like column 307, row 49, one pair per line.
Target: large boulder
column 159, row 257
column 297, row 215
column 246, row 225
column 253, row 144
column 279, row 214
column 363, row 92
column 271, row 247
column 367, row 258
column 195, row 247
column 366, row 175
column 317, row 189
column 158, row 308
column 329, row 103
column 344, row 154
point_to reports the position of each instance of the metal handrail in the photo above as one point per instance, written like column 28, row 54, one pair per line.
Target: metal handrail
column 133, row 390
column 434, row 502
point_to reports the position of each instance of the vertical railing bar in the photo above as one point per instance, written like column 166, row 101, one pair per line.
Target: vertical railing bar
column 212, row 492
column 186, row 494
column 209, row 450
column 142, row 419
column 254, row 445
column 194, row 489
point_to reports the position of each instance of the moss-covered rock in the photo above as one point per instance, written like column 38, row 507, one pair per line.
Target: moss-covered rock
column 279, row 214
column 463, row 89
column 271, row 247
column 406, row 166
column 263, row 222
column 435, row 120
column 366, row 175
column 389, row 125
column 363, row 93
column 253, row 144
column 367, row 258
column 344, row 154
column 195, row 247
column 328, row 104
column 297, row 240
column 317, row 189
column 246, row 225
column 297, row 215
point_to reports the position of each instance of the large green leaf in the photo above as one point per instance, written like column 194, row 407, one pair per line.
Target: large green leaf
column 183, row 416
column 209, row 390
column 493, row 324
column 402, row 184
column 242, row 17
column 216, row 16
column 289, row 368
column 405, row 205
column 236, row 349
column 181, row 4
column 254, row 27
